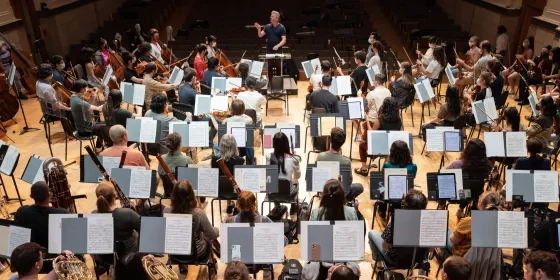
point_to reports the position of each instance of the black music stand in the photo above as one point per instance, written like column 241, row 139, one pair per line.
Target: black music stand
column 6, row 197
column 16, row 89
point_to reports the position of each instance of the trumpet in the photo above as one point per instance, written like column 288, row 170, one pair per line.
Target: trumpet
column 71, row 268
column 157, row 270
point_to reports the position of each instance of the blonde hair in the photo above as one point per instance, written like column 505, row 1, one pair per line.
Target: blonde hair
column 117, row 133
column 276, row 13
column 106, row 196
column 489, row 200
column 228, row 147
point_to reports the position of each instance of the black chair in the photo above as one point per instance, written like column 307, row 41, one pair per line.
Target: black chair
column 225, row 192
column 408, row 104
column 404, row 263
column 319, row 144
column 105, row 135
column 282, row 196
column 49, row 117
column 180, row 110
column 276, row 92
column 193, row 259
column 70, row 131
column 205, row 88
column 167, row 185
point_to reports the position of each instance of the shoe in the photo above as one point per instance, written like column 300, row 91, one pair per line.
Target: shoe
column 22, row 96
column 530, row 118
column 361, row 171
column 521, row 103
column 358, row 138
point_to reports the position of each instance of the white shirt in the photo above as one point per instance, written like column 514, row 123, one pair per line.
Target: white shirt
column 502, row 43
column 428, row 57
column 433, row 69
column 375, row 60
column 156, row 52
column 375, row 98
column 253, row 100
column 315, row 80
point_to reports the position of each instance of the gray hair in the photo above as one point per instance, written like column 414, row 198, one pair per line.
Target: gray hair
column 228, row 147
column 117, row 133
column 276, row 13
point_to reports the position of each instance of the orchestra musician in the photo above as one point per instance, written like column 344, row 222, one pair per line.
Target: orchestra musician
column 275, row 34
column 541, row 64
column 288, row 164
column 46, row 93
column 373, row 37
column 153, row 86
column 229, row 153
column 58, row 68
column 516, row 69
column 27, row 260
column 119, row 137
column 138, row 37
column 114, row 114
column 143, row 52
column 6, row 64
column 437, row 64
column 200, row 64
column 212, row 71
column 315, row 79
column 88, row 56
column 378, row 55
column 211, row 43
column 243, row 68
column 82, row 113
column 130, row 74
column 426, row 58
column 323, row 98
column 502, row 41
column 173, row 158
column 156, row 47
column 478, row 68
column 403, row 87
column 102, row 54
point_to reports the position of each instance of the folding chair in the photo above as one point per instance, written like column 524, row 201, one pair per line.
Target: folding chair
column 225, row 192
column 277, row 92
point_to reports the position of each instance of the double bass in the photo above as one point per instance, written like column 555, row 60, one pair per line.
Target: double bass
column 24, row 63
column 226, row 64
column 9, row 105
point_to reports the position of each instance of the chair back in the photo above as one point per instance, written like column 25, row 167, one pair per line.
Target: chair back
column 68, row 127
column 277, row 84
column 460, row 122
column 79, row 71
column 225, row 189
column 205, row 90
column 183, row 108
column 320, row 143
column 409, row 98
column 253, row 114
column 502, row 100
column 167, row 185
column 105, row 135
column 284, row 186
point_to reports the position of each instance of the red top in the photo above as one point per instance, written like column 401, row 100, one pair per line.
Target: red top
column 199, row 66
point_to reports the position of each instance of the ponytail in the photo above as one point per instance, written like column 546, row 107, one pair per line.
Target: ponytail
column 103, row 205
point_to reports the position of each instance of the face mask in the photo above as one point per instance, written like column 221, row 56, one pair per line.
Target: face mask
column 431, row 45
column 63, row 65
column 479, row 82
column 369, row 40
column 401, row 71
column 471, row 44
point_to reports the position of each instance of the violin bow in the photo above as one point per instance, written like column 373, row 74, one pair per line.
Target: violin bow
column 408, row 56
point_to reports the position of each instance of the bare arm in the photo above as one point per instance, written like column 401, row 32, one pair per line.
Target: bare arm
column 283, row 42
column 260, row 32
column 137, row 80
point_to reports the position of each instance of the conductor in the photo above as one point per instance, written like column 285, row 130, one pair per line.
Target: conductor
column 275, row 34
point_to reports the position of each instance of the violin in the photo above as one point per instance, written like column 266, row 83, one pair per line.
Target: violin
column 239, row 89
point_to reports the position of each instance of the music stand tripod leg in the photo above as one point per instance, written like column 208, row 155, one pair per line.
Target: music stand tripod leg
column 422, row 120
column 6, row 197
column 26, row 128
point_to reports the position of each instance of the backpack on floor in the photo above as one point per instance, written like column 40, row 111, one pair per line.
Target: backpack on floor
column 290, row 227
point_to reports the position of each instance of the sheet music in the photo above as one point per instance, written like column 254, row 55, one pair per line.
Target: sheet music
column 240, row 135
column 219, row 103
column 446, row 186
column 452, row 141
column 334, row 88
column 176, row 76
column 490, row 108
column 390, row 172
column 449, row 74
column 17, row 236
column 208, row 179
column 346, row 241
column 434, row 140
column 533, row 101
column 516, row 144
column 458, row 178
column 9, row 160
column 232, row 83
column 397, row 186
column 433, row 228
column 326, row 125
column 133, row 93
column 355, row 108
column 55, row 231
column 546, row 186
column 178, row 234
column 110, row 163
column 198, row 134
column 307, row 68
column 218, row 83
column 398, row 135
column 140, row 183
column 100, row 234
column 107, row 75
column 343, row 85
column 268, row 243
column 319, row 176
column 148, row 130
column 202, row 105
column 333, row 166
column 252, row 179
column 256, row 69
column 494, row 144
column 512, row 230
column 290, row 132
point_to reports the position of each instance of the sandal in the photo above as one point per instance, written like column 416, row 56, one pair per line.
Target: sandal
column 361, row 171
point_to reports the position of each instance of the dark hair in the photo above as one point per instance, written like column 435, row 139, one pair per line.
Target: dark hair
column 150, row 67
column 159, row 101
column 243, row 70
column 375, row 35
column 457, row 268
column 106, row 195
column 332, row 201
column 101, row 42
column 495, row 67
column 474, row 159
column 379, row 77
column 485, row 45
column 416, row 200
column 87, row 54
column 380, row 49
column 24, row 257
column 338, row 137
column 325, row 65
column 534, row 146
column 407, row 77
column 173, row 142
column 502, row 29
column 343, row 272
column 237, row 107
column 439, row 55
column 326, row 80
column 512, row 117
column 281, row 145
column 40, row 192
column 56, row 59
column 236, row 270
column 434, row 40
column 487, row 78
column 79, row 85
column 545, row 261
column 45, row 70
column 555, row 54
column 453, row 101
column 390, row 110
column 145, row 47
column 183, row 199
column 251, row 82
column 213, row 63
column 189, row 75
column 361, row 56
column 112, row 106
column 247, row 205
column 531, row 40
column 200, row 48
column 400, row 154
column 211, row 39
column 548, row 107
column 127, row 57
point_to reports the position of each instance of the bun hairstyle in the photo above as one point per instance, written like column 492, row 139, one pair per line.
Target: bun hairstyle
column 236, row 271
column 173, row 142
column 489, row 200
column 106, row 196
column 200, row 48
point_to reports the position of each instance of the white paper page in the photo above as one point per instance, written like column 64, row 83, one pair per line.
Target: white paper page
column 490, row 108
column 176, row 76
column 232, row 83
column 434, row 140
column 140, row 183
column 398, row 135
column 139, row 94
column 219, row 103
column 148, row 130
column 452, row 141
column 107, row 75
column 240, row 135
column 516, row 144
column 252, row 178
column 333, row 166
column 397, row 186
column 495, row 144
column 458, row 178
column 334, row 88
column 355, row 108
column 268, row 243
column 208, row 179
column 9, row 160
column 55, row 231
column 433, row 228
column 370, row 74
column 100, row 234
column 307, row 68
column 256, row 69
column 319, row 176
column 291, row 134
column 178, row 234
column 390, row 172
column 18, row 236
column 348, row 241
column 203, row 104
column 546, row 186
column 449, row 74
column 512, row 230
column 446, row 186
column 343, row 85
column 429, row 89
column 110, row 163
column 198, row 134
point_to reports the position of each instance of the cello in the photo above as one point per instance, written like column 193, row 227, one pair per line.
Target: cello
column 62, row 92
column 226, row 64
column 9, row 105
column 24, row 64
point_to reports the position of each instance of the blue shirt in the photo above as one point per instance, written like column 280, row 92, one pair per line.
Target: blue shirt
column 273, row 35
column 187, row 94
column 411, row 168
column 208, row 75
column 57, row 76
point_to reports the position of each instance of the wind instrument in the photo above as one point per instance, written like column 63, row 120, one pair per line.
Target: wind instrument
column 157, row 270
column 71, row 268
column 56, row 179
column 228, row 174
column 4, row 213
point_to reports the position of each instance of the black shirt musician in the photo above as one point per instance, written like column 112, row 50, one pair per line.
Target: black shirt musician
column 275, row 34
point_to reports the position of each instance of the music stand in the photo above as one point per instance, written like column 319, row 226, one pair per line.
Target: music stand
column 16, row 89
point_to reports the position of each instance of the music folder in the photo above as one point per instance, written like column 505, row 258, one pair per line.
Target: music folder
column 257, row 178
column 449, row 74
column 309, row 67
column 483, row 109
column 193, row 134
column 424, row 90
column 218, row 83
column 501, row 229
column 533, row 186
column 89, row 172
column 444, row 139
column 170, row 234
column 136, row 181
column 204, row 180
column 107, row 75
column 11, row 236
column 9, row 157
column 506, row 144
column 243, row 133
column 332, row 241
column 176, row 76
column 133, row 93
column 534, row 101
column 33, row 171
column 442, row 186
column 379, row 141
column 341, row 85
column 289, row 129
column 143, row 130
column 258, row 243
column 371, row 72
column 81, row 233
column 322, row 124
column 420, row 228
column 317, row 174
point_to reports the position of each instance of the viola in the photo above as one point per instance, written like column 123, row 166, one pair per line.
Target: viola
column 239, row 89
column 25, row 65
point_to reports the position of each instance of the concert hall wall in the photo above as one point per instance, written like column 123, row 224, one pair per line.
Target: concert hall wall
column 546, row 28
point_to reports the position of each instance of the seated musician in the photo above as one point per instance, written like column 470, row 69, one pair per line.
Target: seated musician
column 236, row 270
column 143, row 52
column 456, row 268
column 238, row 113
column 338, row 137
column 243, row 68
column 323, row 98
column 119, row 136
column 426, row 58
column 156, row 47
column 388, row 119
column 184, row 201
column 200, row 64
column 174, row 157
column 381, row 244
column 82, row 112
column 484, row 81
column 513, row 75
column 152, row 86
column 130, row 74
column 316, row 79
column 102, row 54
column 88, row 57
column 478, row 68
column 6, row 64
column 211, row 71
column 58, row 68
column 433, row 69
column 46, row 93
column 288, row 165
column 534, row 161
column 541, row 128
column 229, row 153
column 497, row 85
column 403, row 87
column 472, row 56
column 211, row 42
column 114, row 114
column 36, row 216
column 448, row 112
column 27, row 260
column 541, row 265
column 252, row 98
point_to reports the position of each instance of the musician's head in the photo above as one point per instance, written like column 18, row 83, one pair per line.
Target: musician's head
column 485, row 79
column 212, row 40
column 433, row 41
column 534, row 147
column 489, row 200
column 228, row 147
column 213, row 63
column 456, row 268
column 474, row 149
column 378, row 79
column 150, row 69
column 547, row 107
column 373, row 37
column 236, row 270
column 183, row 199
column 439, row 55
column 400, row 154
column 79, row 86
column 360, row 57
column 189, row 76
column 201, row 49
column 495, row 67
column 154, row 35
column 326, row 81
column 243, row 70
column 377, row 47
column 137, row 28
column 159, row 103
column 128, row 59
column 325, row 66
column 87, row 53
column 118, row 135
column 338, row 137
column 512, row 117
column 474, row 41
column 274, row 17
column 333, row 200
column 173, row 142
column 106, row 197
column 237, row 107
column 342, row 272
column 415, row 200
column 40, row 193
column 405, row 68
column 251, row 82
column 247, row 202
column 281, row 144
column 389, row 110
column 501, row 30
column 45, row 72
column 27, row 259
column 529, row 42
column 58, row 62
column 540, row 265
column 145, row 48
column 103, row 45
column 486, row 47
